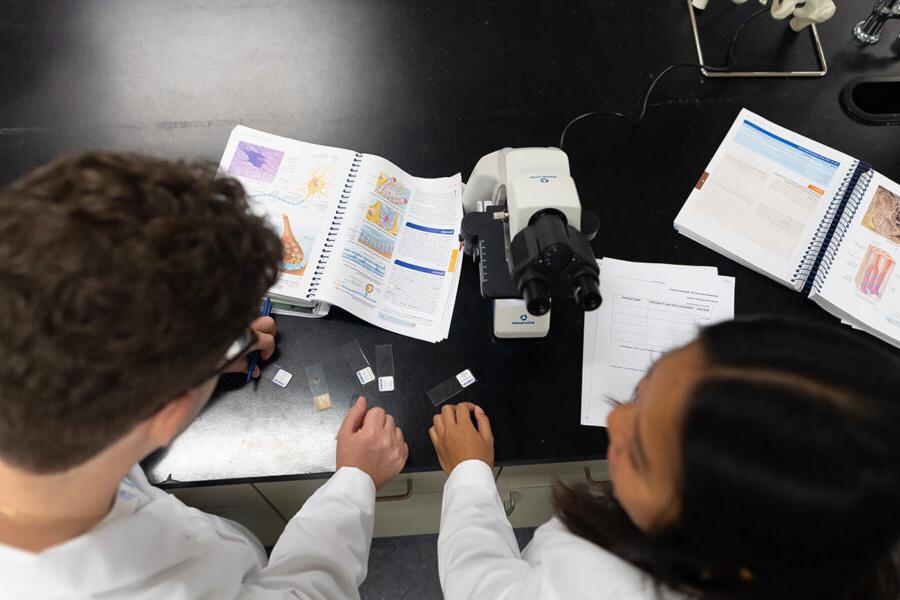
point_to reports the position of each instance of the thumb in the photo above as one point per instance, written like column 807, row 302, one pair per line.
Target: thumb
column 354, row 419
column 484, row 424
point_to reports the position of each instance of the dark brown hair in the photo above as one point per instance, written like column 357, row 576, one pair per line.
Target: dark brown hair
column 790, row 472
column 123, row 278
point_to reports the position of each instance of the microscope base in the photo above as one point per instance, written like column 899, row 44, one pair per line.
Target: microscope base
column 512, row 320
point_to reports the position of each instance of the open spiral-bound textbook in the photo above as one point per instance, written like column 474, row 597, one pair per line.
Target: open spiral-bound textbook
column 806, row 215
column 356, row 231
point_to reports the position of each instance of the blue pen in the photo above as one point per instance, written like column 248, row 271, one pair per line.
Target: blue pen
column 254, row 356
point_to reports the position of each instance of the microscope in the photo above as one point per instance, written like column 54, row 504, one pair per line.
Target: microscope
column 525, row 226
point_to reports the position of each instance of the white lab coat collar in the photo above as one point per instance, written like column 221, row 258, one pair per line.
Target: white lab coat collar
column 154, row 547
column 115, row 555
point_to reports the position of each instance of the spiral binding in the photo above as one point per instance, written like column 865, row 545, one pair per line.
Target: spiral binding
column 822, row 249
column 334, row 227
column 840, row 230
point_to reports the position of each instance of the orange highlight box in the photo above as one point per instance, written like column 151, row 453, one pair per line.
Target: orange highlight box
column 816, row 189
column 453, row 256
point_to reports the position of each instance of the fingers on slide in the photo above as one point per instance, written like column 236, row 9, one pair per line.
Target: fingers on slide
column 376, row 418
column 355, row 416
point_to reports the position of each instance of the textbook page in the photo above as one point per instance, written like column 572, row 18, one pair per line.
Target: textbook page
column 763, row 196
column 296, row 187
column 648, row 309
column 862, row 284
column 396, row 259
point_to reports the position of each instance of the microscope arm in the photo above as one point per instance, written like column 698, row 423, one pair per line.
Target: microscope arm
column 486, row 183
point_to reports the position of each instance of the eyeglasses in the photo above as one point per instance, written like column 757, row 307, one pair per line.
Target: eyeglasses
column 239, row 347
column 236, row 350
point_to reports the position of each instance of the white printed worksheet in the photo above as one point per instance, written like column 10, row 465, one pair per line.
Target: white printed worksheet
column 648, row 309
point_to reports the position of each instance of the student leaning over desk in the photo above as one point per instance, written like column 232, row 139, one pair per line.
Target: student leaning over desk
column 761, row 461
column 127, row 284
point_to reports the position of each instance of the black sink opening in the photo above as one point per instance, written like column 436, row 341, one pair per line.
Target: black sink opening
column 875, row 101
column 878, row 97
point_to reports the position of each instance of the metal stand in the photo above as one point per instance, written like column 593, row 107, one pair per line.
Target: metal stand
column 823, row 65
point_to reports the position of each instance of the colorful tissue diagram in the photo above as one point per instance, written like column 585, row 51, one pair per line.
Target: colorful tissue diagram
column 874, row 272
column 385, row 217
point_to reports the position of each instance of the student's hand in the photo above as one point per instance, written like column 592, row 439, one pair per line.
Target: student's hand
column 264, row 327
column 371, row 442
column 456, row 439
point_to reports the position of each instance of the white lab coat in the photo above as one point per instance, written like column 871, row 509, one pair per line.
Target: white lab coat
column 478, row 556
column 152, row 546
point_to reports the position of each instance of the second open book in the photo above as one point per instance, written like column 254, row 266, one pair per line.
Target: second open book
column 806, row 215
column 356, row 230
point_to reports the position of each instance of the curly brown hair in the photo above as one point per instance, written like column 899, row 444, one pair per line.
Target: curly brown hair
column 123, row 278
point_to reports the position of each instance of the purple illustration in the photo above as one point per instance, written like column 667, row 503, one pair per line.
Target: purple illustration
column 255, row 162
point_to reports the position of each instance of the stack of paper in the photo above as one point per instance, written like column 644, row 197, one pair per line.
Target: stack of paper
column 648, row 309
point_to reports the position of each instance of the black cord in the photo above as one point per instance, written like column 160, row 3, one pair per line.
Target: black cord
column 731, row 61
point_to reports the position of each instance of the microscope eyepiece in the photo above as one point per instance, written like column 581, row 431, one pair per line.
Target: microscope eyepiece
column 586, row 290
column 550, row 257
column 536, row 294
